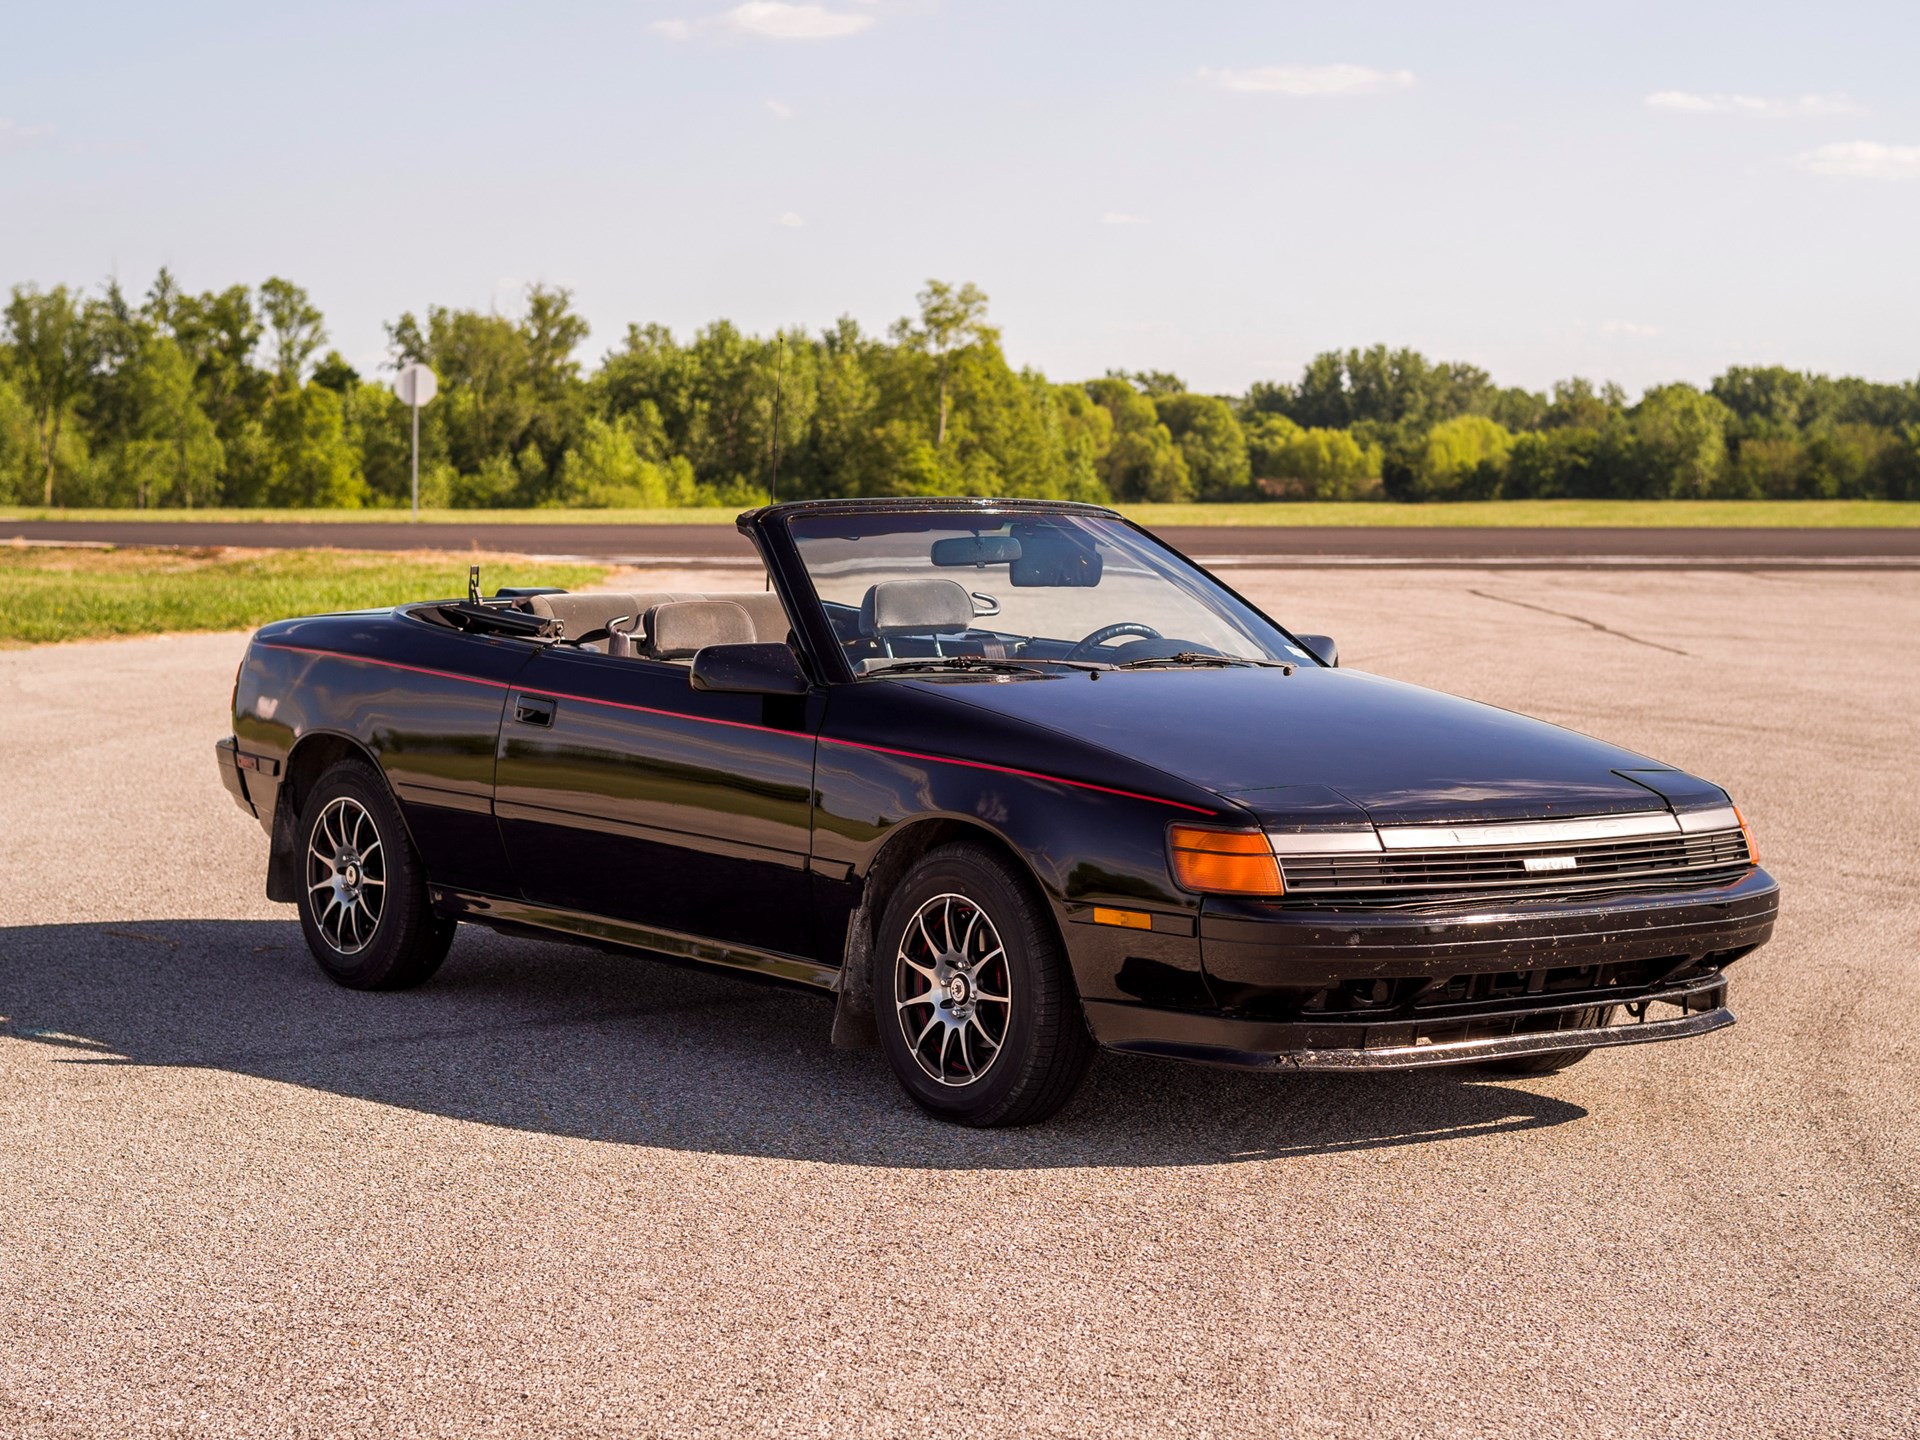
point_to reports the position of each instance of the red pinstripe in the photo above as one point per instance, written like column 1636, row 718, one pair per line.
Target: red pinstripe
column 734, row 724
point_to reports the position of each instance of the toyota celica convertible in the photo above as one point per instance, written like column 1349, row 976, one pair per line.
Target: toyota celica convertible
column 1010, row 781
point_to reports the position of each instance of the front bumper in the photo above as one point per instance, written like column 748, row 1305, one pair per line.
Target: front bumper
column 1391, row 990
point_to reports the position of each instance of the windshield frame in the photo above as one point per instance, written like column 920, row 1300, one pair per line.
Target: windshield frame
column 771, row 526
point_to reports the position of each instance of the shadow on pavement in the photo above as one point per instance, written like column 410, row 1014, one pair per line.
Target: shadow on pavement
column 571, row 1042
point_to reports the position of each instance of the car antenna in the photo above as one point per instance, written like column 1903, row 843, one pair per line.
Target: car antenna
column 473, row 584
column 773, row 439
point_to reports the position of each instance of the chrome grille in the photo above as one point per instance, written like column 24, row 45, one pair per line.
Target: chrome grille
column 1407, row 876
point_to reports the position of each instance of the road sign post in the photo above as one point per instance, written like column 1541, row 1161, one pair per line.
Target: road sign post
column 416, row 385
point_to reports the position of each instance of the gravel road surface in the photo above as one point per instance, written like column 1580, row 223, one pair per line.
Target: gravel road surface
column 558, row 1193
column 1737, row 548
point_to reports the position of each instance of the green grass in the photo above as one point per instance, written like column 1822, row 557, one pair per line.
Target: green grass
column 76, row 593
column 1819, row 514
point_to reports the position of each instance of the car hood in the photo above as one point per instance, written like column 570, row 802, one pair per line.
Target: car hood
column 1331, row 747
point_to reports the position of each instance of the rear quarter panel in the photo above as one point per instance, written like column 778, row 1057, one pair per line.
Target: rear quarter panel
column 425, row 703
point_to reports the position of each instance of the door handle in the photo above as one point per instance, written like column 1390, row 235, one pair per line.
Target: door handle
column 532, row 710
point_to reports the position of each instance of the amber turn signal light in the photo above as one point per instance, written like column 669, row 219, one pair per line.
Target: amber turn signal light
column 1223, row 862
column 1753, row 850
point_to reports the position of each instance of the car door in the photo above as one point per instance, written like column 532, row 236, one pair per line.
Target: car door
column 623, row 792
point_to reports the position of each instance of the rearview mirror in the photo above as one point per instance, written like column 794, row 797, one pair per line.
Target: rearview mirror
column 757, row 669
column 975, row 550
column 1323, row 647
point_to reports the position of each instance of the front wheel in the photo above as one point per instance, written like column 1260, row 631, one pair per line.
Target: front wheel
column 977, row 1011
column 363, row 901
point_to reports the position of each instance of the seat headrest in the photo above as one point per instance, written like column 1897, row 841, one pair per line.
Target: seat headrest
column 934, row 604
column 681, row 628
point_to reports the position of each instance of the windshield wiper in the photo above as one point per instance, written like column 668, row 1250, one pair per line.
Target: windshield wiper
column 981, row 663
column 1204, row 657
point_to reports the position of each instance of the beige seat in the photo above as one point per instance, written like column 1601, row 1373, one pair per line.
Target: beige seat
column 584, row 616
column 587, row 616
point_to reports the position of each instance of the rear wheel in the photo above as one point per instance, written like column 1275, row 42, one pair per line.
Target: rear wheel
column 363, row 901
column 977, row 1011
column 1553, row 1060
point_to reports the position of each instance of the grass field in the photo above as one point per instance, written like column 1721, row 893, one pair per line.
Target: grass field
column 1821, row 514
column 61, row 593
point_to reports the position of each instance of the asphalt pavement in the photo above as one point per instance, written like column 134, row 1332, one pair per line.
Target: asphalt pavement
column 562, row 1193
column 1443, row 546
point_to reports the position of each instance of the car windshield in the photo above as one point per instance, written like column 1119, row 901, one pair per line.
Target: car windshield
column 978, row 591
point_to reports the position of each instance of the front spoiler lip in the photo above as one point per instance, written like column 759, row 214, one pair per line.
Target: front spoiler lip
column 1420, row 1057
column 1276, row 1045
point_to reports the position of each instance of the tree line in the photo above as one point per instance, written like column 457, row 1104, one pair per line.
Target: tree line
column 231, row 397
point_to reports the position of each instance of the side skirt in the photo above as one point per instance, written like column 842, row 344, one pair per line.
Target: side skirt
column 669, row 944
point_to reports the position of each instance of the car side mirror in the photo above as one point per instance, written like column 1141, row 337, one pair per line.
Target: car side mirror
column 758, row 669
column 1322, row 646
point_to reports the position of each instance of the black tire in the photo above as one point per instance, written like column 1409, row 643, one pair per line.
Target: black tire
column 363, row 901
column 1043, row 1046
column 1553, row 1061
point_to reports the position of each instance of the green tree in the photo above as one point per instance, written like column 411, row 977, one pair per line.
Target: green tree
column 951, row 321
column 52, row 350
column 1679, row 443
column 1210, row 441
column 173, row 456
column 1141, row 461
column 309, row 460
column 295, row 329
column 1577, row 403
column 1385, row 387
column 1461, row 459
column 1311, row 464
column 606, row 469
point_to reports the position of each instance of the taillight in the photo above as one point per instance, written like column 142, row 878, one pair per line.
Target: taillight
column 1753, row 850
column 1223, row 862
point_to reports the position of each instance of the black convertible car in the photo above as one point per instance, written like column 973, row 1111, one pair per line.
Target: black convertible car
column 1010, row 780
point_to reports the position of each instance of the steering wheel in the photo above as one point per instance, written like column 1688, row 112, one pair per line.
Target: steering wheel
column 1084, row 650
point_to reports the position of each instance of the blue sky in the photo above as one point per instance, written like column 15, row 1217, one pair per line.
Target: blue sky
column 1632, row 191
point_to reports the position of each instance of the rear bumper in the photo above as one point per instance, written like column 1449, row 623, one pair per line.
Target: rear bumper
column 227, row 753
column 251, row 779
column 1393, row 990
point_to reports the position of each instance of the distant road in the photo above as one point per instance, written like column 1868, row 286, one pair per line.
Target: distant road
column 1892, row 548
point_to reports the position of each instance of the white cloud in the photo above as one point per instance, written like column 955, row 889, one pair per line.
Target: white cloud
column 672, row 29
column 15, row 136
column 777, row 20
column 1628, row 327
column 1771, row 107
column 1862, row 160
column 791, row 220
column 1305, row 81
column 1120, row 217
column 779, row 109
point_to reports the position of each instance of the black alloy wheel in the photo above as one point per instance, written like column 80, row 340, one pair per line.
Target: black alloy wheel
column 977, row 1010
column 363, row 901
